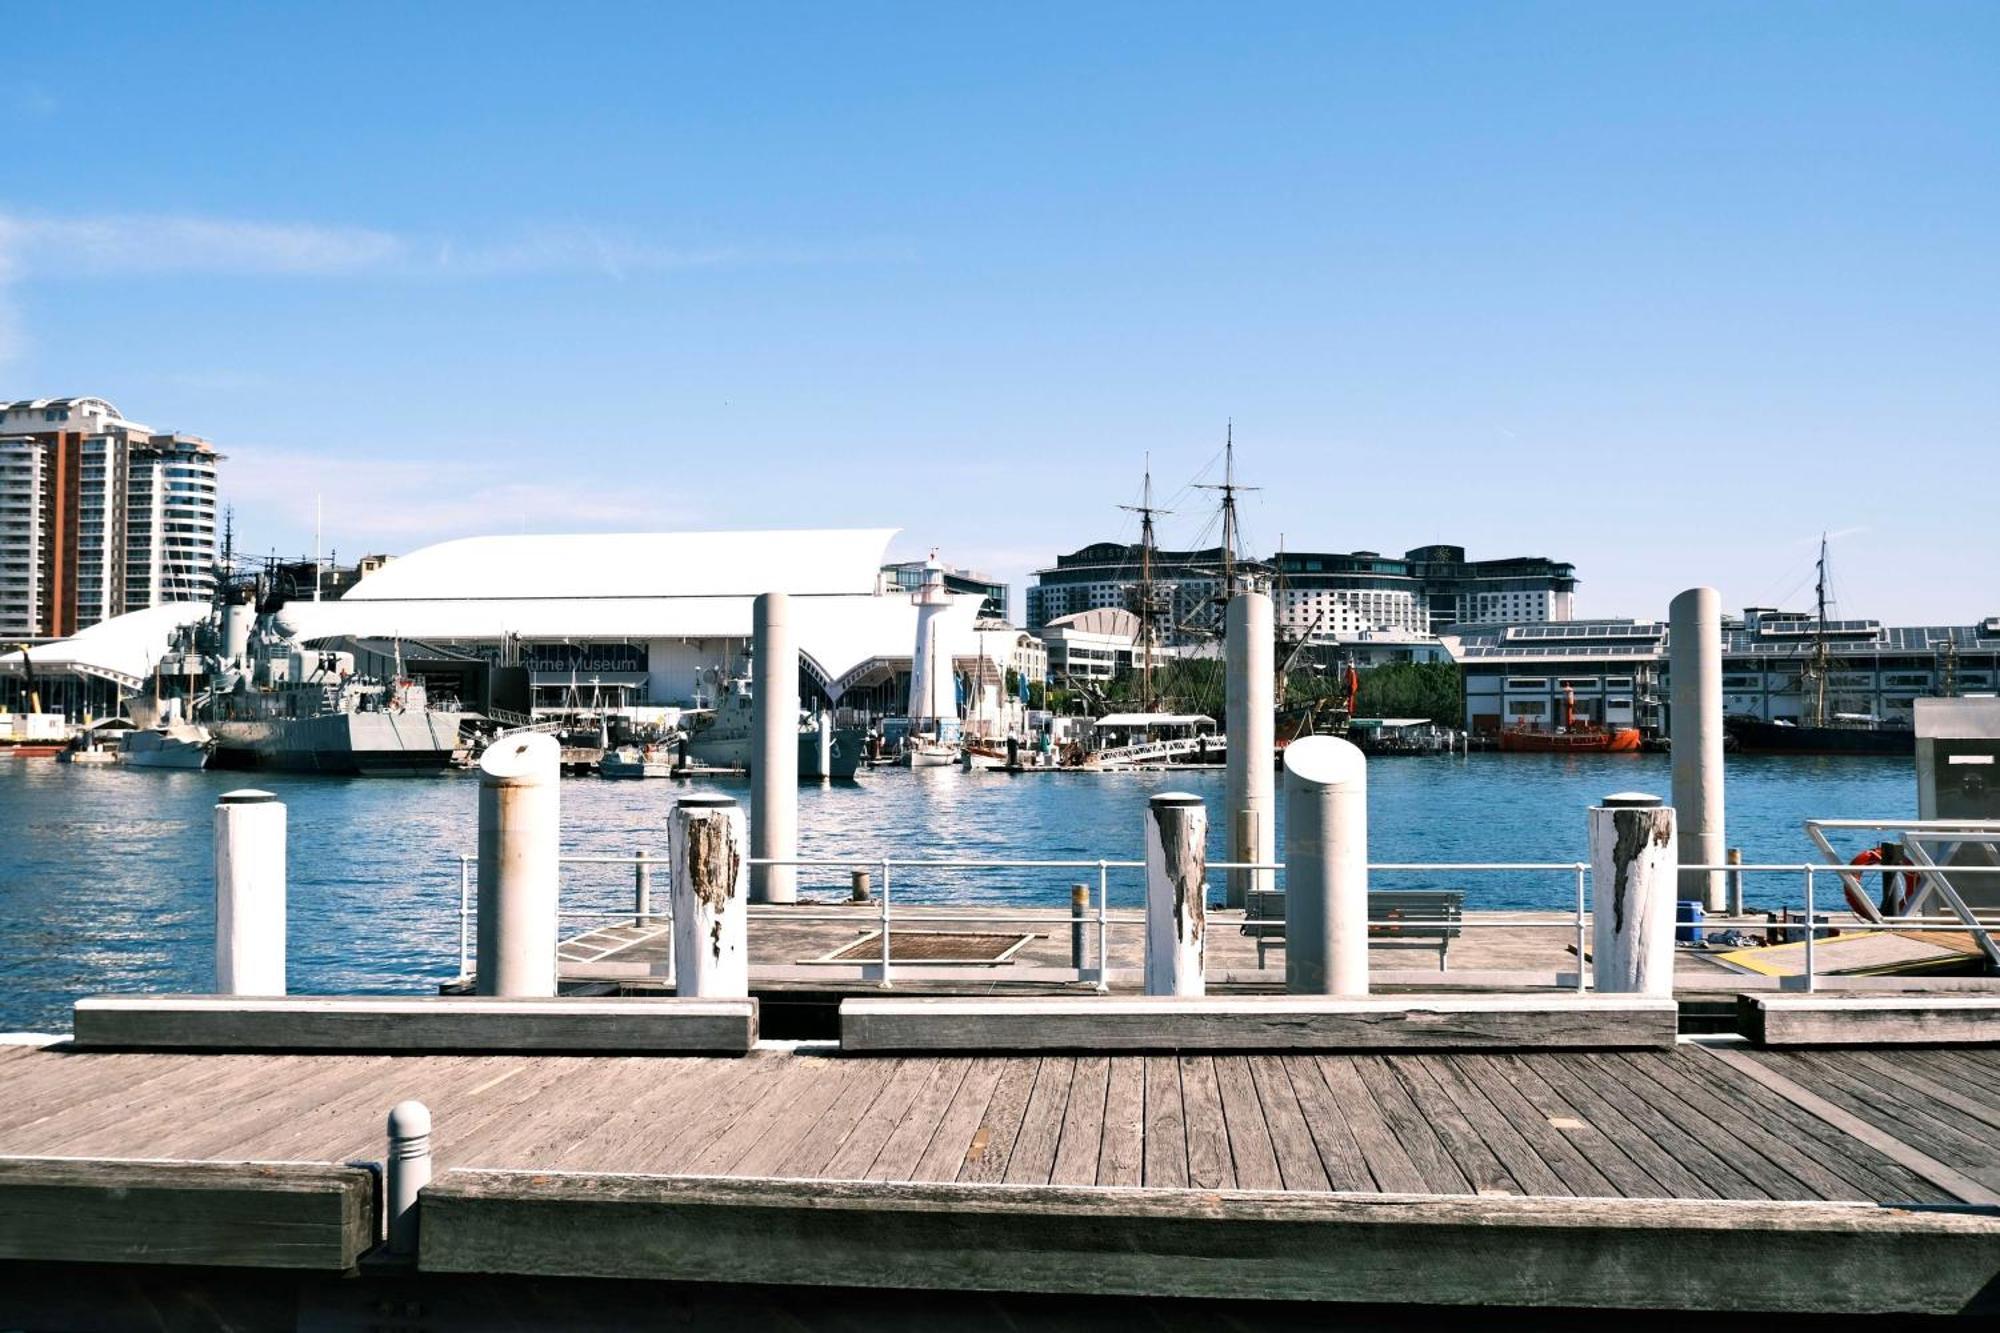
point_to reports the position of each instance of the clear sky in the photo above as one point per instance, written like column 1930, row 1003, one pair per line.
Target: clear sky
column 1664, row 290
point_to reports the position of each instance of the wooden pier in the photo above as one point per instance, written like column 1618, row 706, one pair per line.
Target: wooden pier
column 1726, row 1178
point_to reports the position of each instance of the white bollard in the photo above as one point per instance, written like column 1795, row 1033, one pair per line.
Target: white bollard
column 1633, row 867
column 1176, row 912
column 1250, row 719
column 408, row 1170
column 1326, row 867
column 1695, row 669
column 711, row 892
column 520, row 829
column 774, row 752
column 249, row 894
column 825, row 725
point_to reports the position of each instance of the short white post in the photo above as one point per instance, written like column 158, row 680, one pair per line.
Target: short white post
column 249, row 894
column 409, row 1170
column 1176, row 911
column 774, row 754
column 1695, row 689
column 1326, row 867
column 520, row 828
column 711, row 879
column 1633, row 868
column 1251, row 721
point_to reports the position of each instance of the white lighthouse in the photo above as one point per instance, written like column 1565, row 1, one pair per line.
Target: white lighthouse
column 933, row 708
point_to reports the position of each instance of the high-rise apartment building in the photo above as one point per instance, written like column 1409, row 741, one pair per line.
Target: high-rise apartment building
column 98, row 516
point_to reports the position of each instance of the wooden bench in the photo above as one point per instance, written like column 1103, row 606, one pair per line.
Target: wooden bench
column 1236, row 1023
column 643, row 1024
column 1421, row 917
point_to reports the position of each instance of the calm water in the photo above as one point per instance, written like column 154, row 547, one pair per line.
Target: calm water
column 105, row 876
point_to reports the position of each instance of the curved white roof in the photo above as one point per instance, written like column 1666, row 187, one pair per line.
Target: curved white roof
column 122, row 649
column 636, row 564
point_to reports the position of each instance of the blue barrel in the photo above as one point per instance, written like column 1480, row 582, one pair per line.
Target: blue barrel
column 1688, row 913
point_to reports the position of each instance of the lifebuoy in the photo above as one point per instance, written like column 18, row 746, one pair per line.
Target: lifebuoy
column 1857, row 898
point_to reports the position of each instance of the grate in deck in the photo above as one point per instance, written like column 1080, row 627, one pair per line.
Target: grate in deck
column 972, row 948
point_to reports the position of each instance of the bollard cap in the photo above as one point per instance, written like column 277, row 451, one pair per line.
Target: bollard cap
column 247, row 796
column 1174, row 798
column 1631, row 800
column 529, row 759
column 1325, row 761
column 706, row 800
column 409, row 1120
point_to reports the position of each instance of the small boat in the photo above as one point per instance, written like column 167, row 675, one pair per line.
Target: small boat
column 637, row 761
column 927, row 752
column 1585, row 738
column 179, row 745
column 95, row 744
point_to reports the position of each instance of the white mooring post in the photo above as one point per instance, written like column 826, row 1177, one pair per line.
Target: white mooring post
column 710, row 875
column 774, row 755
column 1249, row 718
column 1326, row 867
column 1695, row 666
column 409, row 1170
column 249, row 894
column 520, row 829
column 1176, row 912
column 1633, row 869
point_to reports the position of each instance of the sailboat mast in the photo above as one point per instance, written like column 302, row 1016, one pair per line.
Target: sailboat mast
column 1146, row 592
column 1820, row 663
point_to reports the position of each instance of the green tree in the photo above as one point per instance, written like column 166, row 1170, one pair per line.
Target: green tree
column 1435, row 690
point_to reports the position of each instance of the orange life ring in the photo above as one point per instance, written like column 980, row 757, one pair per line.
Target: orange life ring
column 1859, row 901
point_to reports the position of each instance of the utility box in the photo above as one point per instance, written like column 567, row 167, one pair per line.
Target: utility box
column 1958, row 758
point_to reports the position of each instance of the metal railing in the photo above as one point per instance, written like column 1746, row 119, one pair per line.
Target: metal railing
column 1093, row 966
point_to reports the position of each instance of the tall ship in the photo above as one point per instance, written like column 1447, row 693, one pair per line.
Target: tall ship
column 1822, row 728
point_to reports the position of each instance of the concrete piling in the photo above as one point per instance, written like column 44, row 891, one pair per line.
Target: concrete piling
column 1326, row 867
column 1250, row 720
column 1176, row 909
column 1695, row 667
column 711, row 884
column 408, row 1171
column 642, row 890
column 859, row 888
column 520, row 829
column 774, row 755
column 1633, row 871
column 249, row 894
column 1079, row 912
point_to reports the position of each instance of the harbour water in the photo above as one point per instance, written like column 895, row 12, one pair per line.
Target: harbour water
column 105, row 873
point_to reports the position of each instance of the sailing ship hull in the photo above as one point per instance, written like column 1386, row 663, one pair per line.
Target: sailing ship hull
column 733, row 751
column 1756, row 736
column 352, row 744
column 1609, row 740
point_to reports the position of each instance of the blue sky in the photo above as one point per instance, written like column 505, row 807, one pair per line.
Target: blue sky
column 1661, row 290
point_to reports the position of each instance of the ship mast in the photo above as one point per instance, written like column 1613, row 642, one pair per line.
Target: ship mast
column 1145, row 510
column 1228, row 487
column 1820, row 663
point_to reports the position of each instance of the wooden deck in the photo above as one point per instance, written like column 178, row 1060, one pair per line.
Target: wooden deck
column 1686, row 1124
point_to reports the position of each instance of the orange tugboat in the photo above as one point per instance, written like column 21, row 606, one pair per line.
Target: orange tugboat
column 1571, row 738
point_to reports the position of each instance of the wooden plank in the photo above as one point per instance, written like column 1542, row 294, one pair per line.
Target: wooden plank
column 1340, row 1157
column 1781, row 1171
column 1033, row 1160
column 1121, row 1156
column 1977, row 1070
column 741, row 1087
column 1291, row 1139
column 774, row 1101
column 1388, row 1158
column 232, row 1215
column 1209, row 1164
column 1683, row 1136
column 1884, row 1179
column 58, row 1089
column 986, row 1157
column 919, row 1125
column 1411, row 1130
column 226, row 1118
column 1467, row 1147
column 1516, row 1153
column 1166, row 1161
column 1892, row 1107
column 863, row 1143
column 1604, row 1155
column 429, row 1023
column 868, row 1080
column 1628, row 1134
column 1083, row 1123
column 1948, row 1178
column 638, row 1125
column 1477, row 1075
column 1250, row 1150
column 946, row 1154
column 1815, row 1258
column 1869, row 1020
column 1239, row 1023
column 767, row 1155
